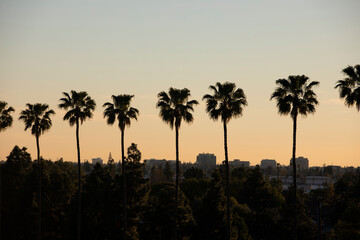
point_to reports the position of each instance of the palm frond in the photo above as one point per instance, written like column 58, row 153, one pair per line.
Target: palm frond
column 120, row 109
column 227, row 101
column 175, row 106
column 37, row 117
column 295, row 96
column 349, row 86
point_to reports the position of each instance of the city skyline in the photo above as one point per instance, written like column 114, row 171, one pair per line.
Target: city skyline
column 145, row 48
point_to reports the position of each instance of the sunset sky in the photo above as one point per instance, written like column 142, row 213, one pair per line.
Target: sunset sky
column 144, row 47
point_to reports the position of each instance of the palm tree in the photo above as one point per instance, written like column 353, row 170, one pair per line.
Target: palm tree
column 6, row 119
column 227, row 102
column 295, row 96
column 121, row 110
column 81, row 107
column 349, row 88
column 175, row 106
column 37, row 117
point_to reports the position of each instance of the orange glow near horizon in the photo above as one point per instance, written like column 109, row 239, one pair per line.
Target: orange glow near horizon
column 126, row 48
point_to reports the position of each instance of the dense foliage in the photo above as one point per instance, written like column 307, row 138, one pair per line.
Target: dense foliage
column 260, row 208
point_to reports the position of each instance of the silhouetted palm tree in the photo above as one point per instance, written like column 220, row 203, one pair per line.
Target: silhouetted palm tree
column 175, row 106
column 227, row 102
column 121, row 110
column 295, row 96
column 37, row 117
column 349, row 87
column 6, row 119
column 81, row 107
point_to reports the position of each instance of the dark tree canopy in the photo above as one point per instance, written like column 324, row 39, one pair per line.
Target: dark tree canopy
column 6, row 119
column 349, row 87
column 120, row 110
column 80, row 106
column 226, row 102
column 175, row 106
column 37, row 117
column 294, row 95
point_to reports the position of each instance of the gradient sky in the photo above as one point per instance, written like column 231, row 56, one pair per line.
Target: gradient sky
column 144, row 47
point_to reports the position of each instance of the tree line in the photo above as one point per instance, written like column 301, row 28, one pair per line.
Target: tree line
column 259, row 207
column 294, row 95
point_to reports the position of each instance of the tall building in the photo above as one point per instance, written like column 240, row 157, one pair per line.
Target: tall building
column 206, row 161
column 301, row 163
column 96, row 160
column 268, row 163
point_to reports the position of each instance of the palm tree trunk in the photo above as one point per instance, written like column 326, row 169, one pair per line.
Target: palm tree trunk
column 294, row 174
column 124, row 182
column 228, row 230
column 176, row 182
column 79, row 183
column 39, row 187
column 1, row 206
column 319, row 219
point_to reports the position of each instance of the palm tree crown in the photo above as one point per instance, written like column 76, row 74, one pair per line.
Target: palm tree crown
column 349, row 87
column 227, row 101
column 121, row 110
column 295, row 96
column 175, row 106
column 81, row 106
column 6, row 119
column 37, row 117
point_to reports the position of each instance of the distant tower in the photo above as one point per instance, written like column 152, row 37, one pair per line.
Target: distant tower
column 268, row 163
column 96, row 160
column 206, row 161
column 302, row 163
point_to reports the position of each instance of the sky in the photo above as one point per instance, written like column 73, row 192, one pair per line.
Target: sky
column 144, row 47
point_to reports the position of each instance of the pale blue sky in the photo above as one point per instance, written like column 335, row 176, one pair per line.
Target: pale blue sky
column 144, row 47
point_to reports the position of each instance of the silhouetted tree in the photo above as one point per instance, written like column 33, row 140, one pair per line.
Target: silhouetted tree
column 349, row 224
column 37, row 117
column 158, row 219
column 212, row 217
column 295, row 96
column 227, row 102
column 59, row 188
column 169, row 174
column 194, row 172
column 120, row 109
column 349, row 87
column 6, row 119
column 265, row 202
column 137, row 192
column 81, row 107
column 102, row 205
column 18, row 208
column 306, row 228
column 175, row 106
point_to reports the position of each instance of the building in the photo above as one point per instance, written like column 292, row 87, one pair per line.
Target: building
column 301, row 163
column 238, row 163
column 268, row 163
column 96, row 160
column 206, row 161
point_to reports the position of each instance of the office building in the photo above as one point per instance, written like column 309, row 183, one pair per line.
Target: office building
column 268, row 163
column 206, row 161
column 301, row 163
